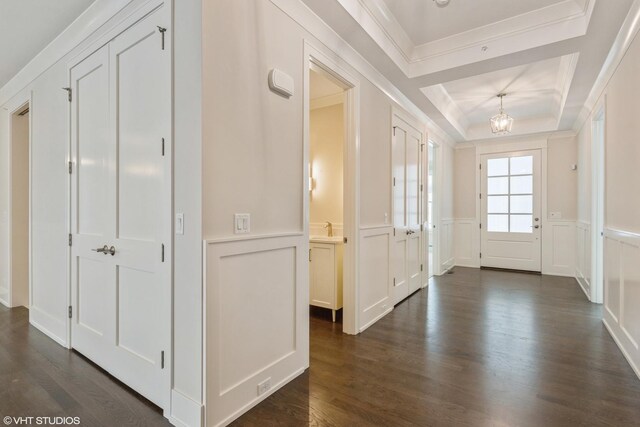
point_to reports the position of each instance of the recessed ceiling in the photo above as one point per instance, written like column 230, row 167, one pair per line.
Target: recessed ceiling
column 547, row 58
column 424, row 21
column 535, row 97
column 28, row 26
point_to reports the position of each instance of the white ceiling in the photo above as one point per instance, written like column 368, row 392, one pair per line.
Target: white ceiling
column 27, row 26
column 424, row 21
column 452, row 61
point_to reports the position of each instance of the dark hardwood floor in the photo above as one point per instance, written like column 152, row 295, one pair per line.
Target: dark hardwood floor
column 39, row 378
column 477, row 348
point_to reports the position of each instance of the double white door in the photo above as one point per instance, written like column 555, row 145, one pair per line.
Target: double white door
column 407, row 154
column 510, row 207
column 121, row 208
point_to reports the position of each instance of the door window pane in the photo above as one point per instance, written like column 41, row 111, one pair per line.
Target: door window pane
column 498, row 167
column 521, row 204
column 498, row 185
column 522, row 184
column 522, row 165
column 521, row 223
column 498, row 223
column 498, row 204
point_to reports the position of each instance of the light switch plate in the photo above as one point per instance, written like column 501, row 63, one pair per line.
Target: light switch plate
column 179, row 223
column 242, row 223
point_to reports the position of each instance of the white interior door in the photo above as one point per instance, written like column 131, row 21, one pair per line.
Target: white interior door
column 510, row 208
column 407, row 212
column 121, row 208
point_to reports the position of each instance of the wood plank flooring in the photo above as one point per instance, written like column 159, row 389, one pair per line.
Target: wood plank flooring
column 477, row 348
column 39, row 378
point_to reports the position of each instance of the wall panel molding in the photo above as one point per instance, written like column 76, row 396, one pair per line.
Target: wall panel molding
column 559, row 247
column 375, row 270
column 466, row 238
column 583, row 257
column 447, row 254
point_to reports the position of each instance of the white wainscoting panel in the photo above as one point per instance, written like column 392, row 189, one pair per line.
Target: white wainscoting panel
column 375, row 275
column 447, row 255
column 559, row 248
column 256, row 328
column 622, row 292
column 466, row 242
column 583, row 256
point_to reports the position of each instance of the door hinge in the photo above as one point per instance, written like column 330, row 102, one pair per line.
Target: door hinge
column 480, row 225
column 163, row 147
column 345, row 240
column 421, row 187
column 421, row 267
column 70, row 312
column 480, row 166
column 68, row 89
column 394, row 181
column 70, row 167
column 394, row 281
column 162, row 31
column 394, row 130
column 309, row 254
column 162, row 256
column 480, row 196
column 162, row 359
column 480, row 255
column 70, row 239
column 394, row 231
column 421, row 227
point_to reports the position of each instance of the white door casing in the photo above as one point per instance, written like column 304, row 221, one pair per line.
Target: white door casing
column 511, row 210
column 121, row 198
column 407, row 210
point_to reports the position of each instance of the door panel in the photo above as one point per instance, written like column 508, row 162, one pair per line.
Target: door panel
column 121, row 198
column 407, row 210
column 510, row 209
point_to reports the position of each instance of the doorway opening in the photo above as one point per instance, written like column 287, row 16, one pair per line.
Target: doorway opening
column 431, row 209
column 19, row 212
column 327, row 134
column 597, row 208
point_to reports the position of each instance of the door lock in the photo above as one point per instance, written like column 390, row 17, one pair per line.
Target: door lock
column 106, row 250
column 536, row 226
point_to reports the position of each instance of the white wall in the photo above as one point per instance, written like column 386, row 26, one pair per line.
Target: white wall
column 326, row 132
column 43, row 79
column 622, row 204
column 558, row 234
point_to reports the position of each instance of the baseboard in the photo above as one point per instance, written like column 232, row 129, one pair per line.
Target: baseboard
column 364, row 327
column 622, row 349
column 259, row 399
column 185, row 412
column 583, row 285
column 47, row 332
column 468, row 264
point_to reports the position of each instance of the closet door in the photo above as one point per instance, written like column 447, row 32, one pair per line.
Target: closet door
column 121, row 203
column 407, row 209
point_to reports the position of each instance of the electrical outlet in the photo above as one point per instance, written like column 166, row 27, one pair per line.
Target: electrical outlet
column 264, row 386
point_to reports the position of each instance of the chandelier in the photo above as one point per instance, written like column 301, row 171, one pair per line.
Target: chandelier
column 501, row 123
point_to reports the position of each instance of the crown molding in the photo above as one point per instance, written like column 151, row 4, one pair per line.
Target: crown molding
column 551, row 24
column 314, row 25
column 326, row 101
column 620, row 46
column 94, row 17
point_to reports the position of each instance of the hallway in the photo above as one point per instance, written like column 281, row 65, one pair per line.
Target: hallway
column 484, row 348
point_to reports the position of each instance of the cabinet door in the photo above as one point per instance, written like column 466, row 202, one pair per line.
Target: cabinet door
column 322, row 272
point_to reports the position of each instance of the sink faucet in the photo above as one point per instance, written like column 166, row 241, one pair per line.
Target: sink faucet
column 329, row 228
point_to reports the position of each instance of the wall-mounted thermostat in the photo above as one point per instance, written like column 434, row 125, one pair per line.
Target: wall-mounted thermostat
column 280, row 82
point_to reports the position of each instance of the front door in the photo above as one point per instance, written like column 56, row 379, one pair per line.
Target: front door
column 510, row 207
column 121, row 209
column 407, row 212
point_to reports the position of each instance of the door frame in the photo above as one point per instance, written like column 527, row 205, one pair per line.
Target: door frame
column 336, row 68
column 16, row 105
column 598, row 153
column 135, row 16
column 437, row 160
column 508, row 147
